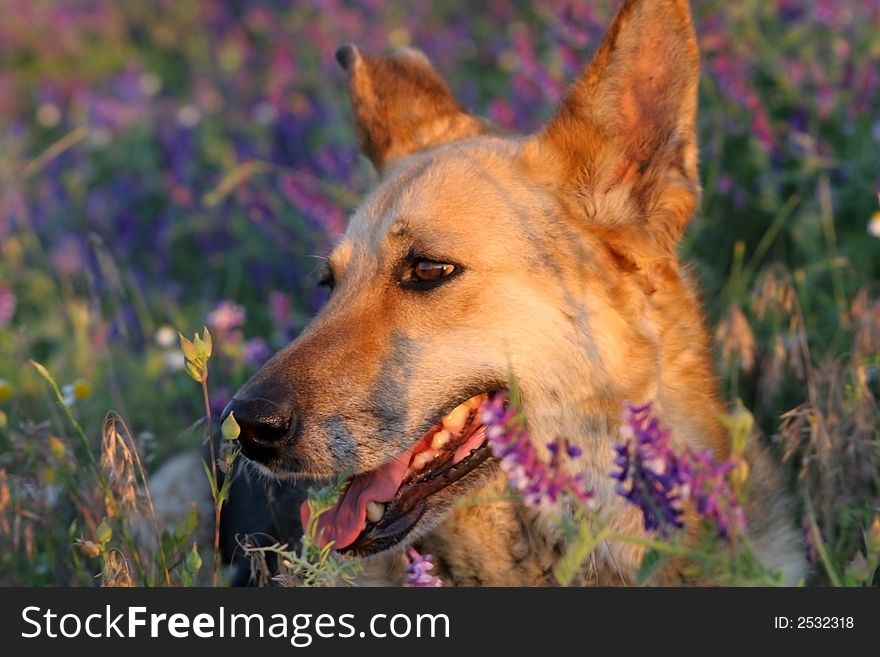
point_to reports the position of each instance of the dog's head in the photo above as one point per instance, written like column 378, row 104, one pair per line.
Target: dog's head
column 481, row 254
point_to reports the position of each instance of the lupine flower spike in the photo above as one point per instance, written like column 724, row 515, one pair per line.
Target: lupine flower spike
column 654, row 478
column 649, row 475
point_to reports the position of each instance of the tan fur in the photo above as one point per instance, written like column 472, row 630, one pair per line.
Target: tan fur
column 566, row 241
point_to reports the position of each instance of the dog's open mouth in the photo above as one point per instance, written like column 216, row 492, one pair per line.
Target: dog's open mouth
column 380, row 507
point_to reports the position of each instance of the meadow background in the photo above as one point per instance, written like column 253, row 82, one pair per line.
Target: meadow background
column 178, row 163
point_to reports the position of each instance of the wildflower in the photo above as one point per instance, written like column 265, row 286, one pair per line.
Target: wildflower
column 542, row 483
column 166, row 337
column 79, row 390
column 256, row 352
column 709, row 485
column 227, row 317
column 219, row 400
column 6, row 390
column 418, row 570
column 654, row 478
column 280, row 309
column 174, row 360
column 649, row 476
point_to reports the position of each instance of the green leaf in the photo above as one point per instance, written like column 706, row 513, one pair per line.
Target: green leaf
column 211, row 480
column 168, row 540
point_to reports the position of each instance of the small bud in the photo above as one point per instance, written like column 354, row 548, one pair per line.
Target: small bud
column 3, row 420
column 103, row 533
column 739, row 424
column 230, row 429
column 193, row 562
column 739, row 475
column 88, row 548
column 57, row 448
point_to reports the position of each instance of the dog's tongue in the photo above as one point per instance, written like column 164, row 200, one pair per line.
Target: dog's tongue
column 344, row 521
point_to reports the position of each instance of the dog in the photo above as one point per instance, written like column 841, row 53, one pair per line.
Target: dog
column 484, row 253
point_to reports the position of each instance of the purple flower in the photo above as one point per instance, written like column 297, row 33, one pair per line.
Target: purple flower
column 226, row 317
column 256, row 352
column 542, row 483
column 654, row 478
column 709, row 487
column 649, row 475
column 219, row 399
column 418, row 570
column 281, row 310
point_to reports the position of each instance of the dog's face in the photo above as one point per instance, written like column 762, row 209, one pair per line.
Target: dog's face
column 483, row 255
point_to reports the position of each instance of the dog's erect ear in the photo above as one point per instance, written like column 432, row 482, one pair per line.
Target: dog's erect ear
column 401, row 105
column 623, row 138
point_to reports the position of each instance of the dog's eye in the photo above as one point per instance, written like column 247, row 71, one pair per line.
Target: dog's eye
column 424, row 274
column 326, row 278
column 425, row 270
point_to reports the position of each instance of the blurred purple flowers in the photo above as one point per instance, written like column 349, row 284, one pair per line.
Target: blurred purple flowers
column 418, row 570
column 708, row 484
column 226, row 317
column 657, row 480
column 541, row 483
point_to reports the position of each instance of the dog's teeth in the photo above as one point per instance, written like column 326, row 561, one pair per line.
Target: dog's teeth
column 375, row 511
column 421, row 459
column 455, row 421
column 475, row 402
column 441, row 439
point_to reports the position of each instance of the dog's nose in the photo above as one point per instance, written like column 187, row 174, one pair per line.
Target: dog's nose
column 262, row 423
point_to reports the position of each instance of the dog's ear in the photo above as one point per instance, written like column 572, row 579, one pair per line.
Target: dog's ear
column 401, row 105
column 623, row 140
